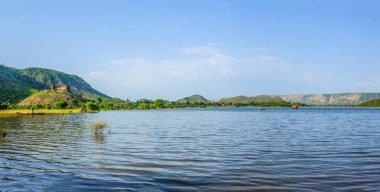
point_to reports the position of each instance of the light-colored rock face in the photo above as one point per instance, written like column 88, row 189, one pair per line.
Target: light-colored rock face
column 319, row 98
column 253, row 99
column 293, row 98
column 353, row 98
column 332, row 99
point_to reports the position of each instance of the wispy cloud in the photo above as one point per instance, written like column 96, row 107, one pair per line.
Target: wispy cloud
column 132, row 61
column 206, row 50
column 369, row 83
column 95, row 74
column 199, row 62
column 199, row 69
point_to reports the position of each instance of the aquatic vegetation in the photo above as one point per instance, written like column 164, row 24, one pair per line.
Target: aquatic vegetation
column 98, row 127
column 100, row 138
column 76, row 131
column 3, row 133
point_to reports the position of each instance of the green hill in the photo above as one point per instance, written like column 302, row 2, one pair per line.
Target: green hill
column 18, row 84
column 193, row 99
column 51, row 97
column 52, row 77
column 372, row 103
column 15, row 86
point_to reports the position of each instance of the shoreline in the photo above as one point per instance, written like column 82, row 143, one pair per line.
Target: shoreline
column 77, row 111
column 39, row 111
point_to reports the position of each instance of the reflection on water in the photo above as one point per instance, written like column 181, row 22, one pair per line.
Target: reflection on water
column 100, row 138
column 193, row 150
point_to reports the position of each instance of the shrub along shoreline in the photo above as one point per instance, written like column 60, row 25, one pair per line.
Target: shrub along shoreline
column 63, row 107
column 38, row 111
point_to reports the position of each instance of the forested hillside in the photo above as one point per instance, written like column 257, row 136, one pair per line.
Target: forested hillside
column 18, row 84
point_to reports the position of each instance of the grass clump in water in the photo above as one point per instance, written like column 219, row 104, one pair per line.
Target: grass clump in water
column 98, row 127
column 3, row 133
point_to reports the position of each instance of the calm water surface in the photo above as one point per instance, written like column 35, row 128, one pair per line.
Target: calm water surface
column 194, row 150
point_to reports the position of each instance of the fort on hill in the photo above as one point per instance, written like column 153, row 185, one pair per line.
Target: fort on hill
column 60, row 87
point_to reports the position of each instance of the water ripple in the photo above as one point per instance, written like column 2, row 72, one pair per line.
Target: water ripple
column 194, row 150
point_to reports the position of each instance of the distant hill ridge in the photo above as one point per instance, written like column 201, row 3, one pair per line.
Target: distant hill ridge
column 309, row 99
column 193, row 99
column 332, row 99
column 246, row 99
column 18, row 84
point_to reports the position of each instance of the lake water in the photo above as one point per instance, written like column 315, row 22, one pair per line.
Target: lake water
column 194, row 150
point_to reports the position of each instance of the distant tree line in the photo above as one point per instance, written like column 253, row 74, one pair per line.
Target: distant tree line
column 142, row 104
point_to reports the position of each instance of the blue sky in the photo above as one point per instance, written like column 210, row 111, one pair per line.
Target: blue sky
column 171, row 49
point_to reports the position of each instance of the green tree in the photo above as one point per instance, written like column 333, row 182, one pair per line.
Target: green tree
column 143, row 106
column 92, row 106
column 144, row 101
column 39, row 106
column 4, row 106
column 61, row 104
column 159, row 103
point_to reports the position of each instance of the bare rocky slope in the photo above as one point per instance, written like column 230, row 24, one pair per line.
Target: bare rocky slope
column 332, row 99
column 51, row 97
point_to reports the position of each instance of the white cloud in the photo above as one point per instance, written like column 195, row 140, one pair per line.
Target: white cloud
column 94, row 74
column 133, row 61
column 201, row 50
column 202, row 61
column 372, row 82
column 195, row 70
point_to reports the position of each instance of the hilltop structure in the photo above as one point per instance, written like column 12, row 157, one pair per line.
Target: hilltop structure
column 61, row 87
